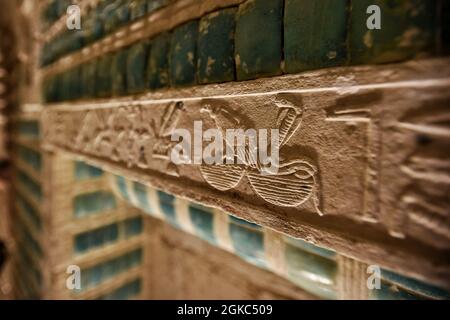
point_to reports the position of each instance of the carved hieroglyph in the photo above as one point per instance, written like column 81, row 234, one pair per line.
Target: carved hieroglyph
column 370, row 153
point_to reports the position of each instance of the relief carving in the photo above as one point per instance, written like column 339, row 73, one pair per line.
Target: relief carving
column 294, row 182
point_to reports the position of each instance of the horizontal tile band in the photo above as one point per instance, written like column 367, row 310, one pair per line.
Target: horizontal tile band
column 162, row 20
column 318, row 271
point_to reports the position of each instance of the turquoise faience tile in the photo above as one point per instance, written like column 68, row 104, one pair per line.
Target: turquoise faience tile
column 248, row 243
column 104, row 76
column 141, row 194
column 153, row 5
column 258, row 39
column 81, row 243
column 136, row 67
column 85, row 171
column 158, row 62
column 243, row 222
column 133, row 227
column 203, row 222
column 312, row 272
column 30, row 157
column 89, row 71
column 183, row 54
column 215, row 48
column 29, row 129
column 110, row 17
column 119, row 73
column 121, row 15
column 96, row 238
column 122, row 184
column 167, row 205
column 33, row 187
column 415, row 287
column 407, row 28
column 95, row 275
column 315, row 34
column 93, row 203
column 389, row 291
column 127, row 291
column 445, row 32
column 308, row 247
column 28, row 209
column 138, row 8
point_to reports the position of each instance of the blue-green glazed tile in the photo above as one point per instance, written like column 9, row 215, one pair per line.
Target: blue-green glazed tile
column 258, row 39
column 31, row 157
column 243, row 222
column 96, row 276
column 305, row 246
column 81, row 243
column 203, row 222
column 29, row 211
column 29, row 129
column 89, row 71
column 30, row 185
column 104, row 76
column 158, row 62
column 389, row 291
column 123, row 13
column 122, row 184
column 408, row 27
column 133, row 227
column 167, row 205
column 312, row 272
column 315, row 34
column 183, row 54
column 216, row 46
column 92, row 203
column 248, row 244
column 138, row 8
column 153, row 5
column 86, row 171
column 119, row 73
column 141, row 194
column 414, row 286
column 109, row 13
column 136, row 67
column 445, row 34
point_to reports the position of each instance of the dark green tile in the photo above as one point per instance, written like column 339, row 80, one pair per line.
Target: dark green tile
column 110, row 17
column 407, row 28
column 104, row 83
column 258, row 51
column 158, row 62
column 315, row 34
column 183, row 54
column 137, row 67
column 138, row 8
column 153, row 5
column 89, row 71
column 445, row 22
column 216, row 46
column 119, row 73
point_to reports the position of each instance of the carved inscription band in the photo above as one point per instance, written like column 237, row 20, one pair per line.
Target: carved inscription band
column 372, row 158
